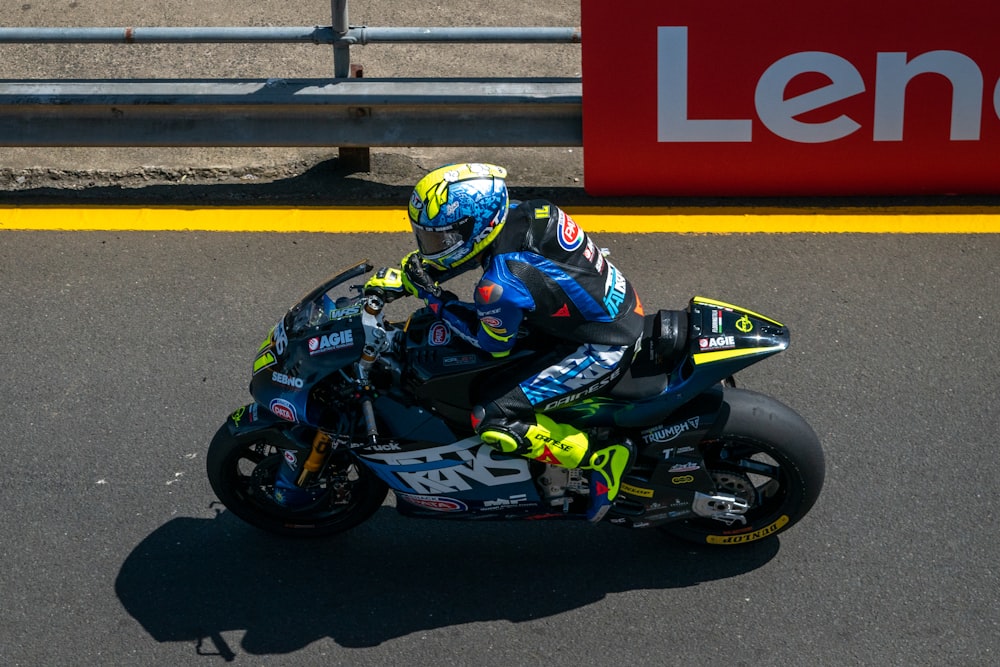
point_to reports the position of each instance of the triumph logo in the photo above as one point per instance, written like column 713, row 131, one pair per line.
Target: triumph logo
column 668, row 433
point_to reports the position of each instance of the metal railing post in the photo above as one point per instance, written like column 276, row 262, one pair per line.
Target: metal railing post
column 349, row 159
column 341, row 49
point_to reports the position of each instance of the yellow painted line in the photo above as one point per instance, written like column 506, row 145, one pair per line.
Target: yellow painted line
column 676, row 220
column 223, row 219
column 923, row 220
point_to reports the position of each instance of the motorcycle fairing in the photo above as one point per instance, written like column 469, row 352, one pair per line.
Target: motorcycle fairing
column 411, row 422
column 445, row 374
column 463, row 479
column 254, row 418
column 294, row 359
column 670, row 469
column 722, row 340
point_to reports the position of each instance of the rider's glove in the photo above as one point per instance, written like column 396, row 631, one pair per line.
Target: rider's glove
column 388, row 283
column 417, row 281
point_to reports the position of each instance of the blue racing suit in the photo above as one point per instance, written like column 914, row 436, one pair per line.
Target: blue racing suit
column 544, row 273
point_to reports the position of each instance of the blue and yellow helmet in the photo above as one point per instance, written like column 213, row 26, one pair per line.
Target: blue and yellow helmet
column 456, row 212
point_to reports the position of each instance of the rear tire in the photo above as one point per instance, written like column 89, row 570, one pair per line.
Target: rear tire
column 766, row 454
column 241, row 469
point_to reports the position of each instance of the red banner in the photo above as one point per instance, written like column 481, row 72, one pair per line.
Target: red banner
column 731, row 97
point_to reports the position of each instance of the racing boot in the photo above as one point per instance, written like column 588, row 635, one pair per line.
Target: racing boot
column 568, row 447
column 607, row 463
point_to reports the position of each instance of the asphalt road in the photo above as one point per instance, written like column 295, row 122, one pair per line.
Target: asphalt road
column 123, row 352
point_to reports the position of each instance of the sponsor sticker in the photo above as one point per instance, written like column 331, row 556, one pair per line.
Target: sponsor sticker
column 283, row 409
column 438, row 334
column 341, row 313
column 436, row 503
column 614, row 290
column 516, row 500
column 287, row 380
column 335, row 341
column 717, row 343
column 668, row 433
column 903, row 101
column 637, row 491
column 752, row 536
column 460, row 360
column 569, row 233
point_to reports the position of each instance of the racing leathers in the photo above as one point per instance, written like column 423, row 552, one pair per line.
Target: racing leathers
column 544, row 274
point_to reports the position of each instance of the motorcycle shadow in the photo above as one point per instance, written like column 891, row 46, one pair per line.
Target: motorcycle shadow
column 193, row 579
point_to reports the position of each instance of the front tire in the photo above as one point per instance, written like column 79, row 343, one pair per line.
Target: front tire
column 767, row 455
column 241, row 469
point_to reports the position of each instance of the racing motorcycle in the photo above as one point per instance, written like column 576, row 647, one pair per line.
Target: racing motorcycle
column 348, row 404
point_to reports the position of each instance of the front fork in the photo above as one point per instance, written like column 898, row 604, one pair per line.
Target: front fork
column 291, row 484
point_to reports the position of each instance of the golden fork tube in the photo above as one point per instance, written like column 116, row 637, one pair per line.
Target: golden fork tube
column 320, row 447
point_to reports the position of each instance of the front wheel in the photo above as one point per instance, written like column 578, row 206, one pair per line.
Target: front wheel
column 242, row 467
column 765, row 455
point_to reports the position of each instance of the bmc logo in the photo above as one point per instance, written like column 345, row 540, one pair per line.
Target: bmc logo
column 730, row 97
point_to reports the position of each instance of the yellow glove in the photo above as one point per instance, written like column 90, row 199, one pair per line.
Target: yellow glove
column 388, row 283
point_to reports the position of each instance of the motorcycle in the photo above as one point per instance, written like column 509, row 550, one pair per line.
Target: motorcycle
column 348, row 405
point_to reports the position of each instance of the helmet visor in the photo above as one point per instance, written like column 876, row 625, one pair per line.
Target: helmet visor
column 441, row 242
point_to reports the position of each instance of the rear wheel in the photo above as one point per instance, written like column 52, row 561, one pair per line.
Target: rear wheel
column 767, row 456
column 242, row 467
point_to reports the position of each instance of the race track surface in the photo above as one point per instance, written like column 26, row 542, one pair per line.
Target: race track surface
column 125, row 346
column 124, row 351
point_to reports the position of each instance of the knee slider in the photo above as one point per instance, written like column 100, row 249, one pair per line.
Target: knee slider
column 503, row 441
column 499, row 429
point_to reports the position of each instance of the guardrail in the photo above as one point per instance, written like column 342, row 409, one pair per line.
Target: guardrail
column 346, row 111
column 278, row 112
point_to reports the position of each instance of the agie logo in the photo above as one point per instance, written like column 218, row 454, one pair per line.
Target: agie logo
column 778, row 98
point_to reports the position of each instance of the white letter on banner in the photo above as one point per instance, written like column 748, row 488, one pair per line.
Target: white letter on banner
column 778, row 114
column 996, row 99
column 893, row 75
column 673, row 124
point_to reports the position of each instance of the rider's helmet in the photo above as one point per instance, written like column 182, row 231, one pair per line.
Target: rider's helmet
column 457, row 211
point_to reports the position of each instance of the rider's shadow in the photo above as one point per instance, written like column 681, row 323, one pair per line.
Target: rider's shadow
column 193, row 579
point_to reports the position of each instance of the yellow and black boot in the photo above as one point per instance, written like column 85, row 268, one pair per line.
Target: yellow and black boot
column 607, row 464
column 568, row 447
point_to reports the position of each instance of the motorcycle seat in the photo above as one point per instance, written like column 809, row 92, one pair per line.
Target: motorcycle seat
column 664, row 344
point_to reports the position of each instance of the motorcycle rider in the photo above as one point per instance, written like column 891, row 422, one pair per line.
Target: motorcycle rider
column 541, row 272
